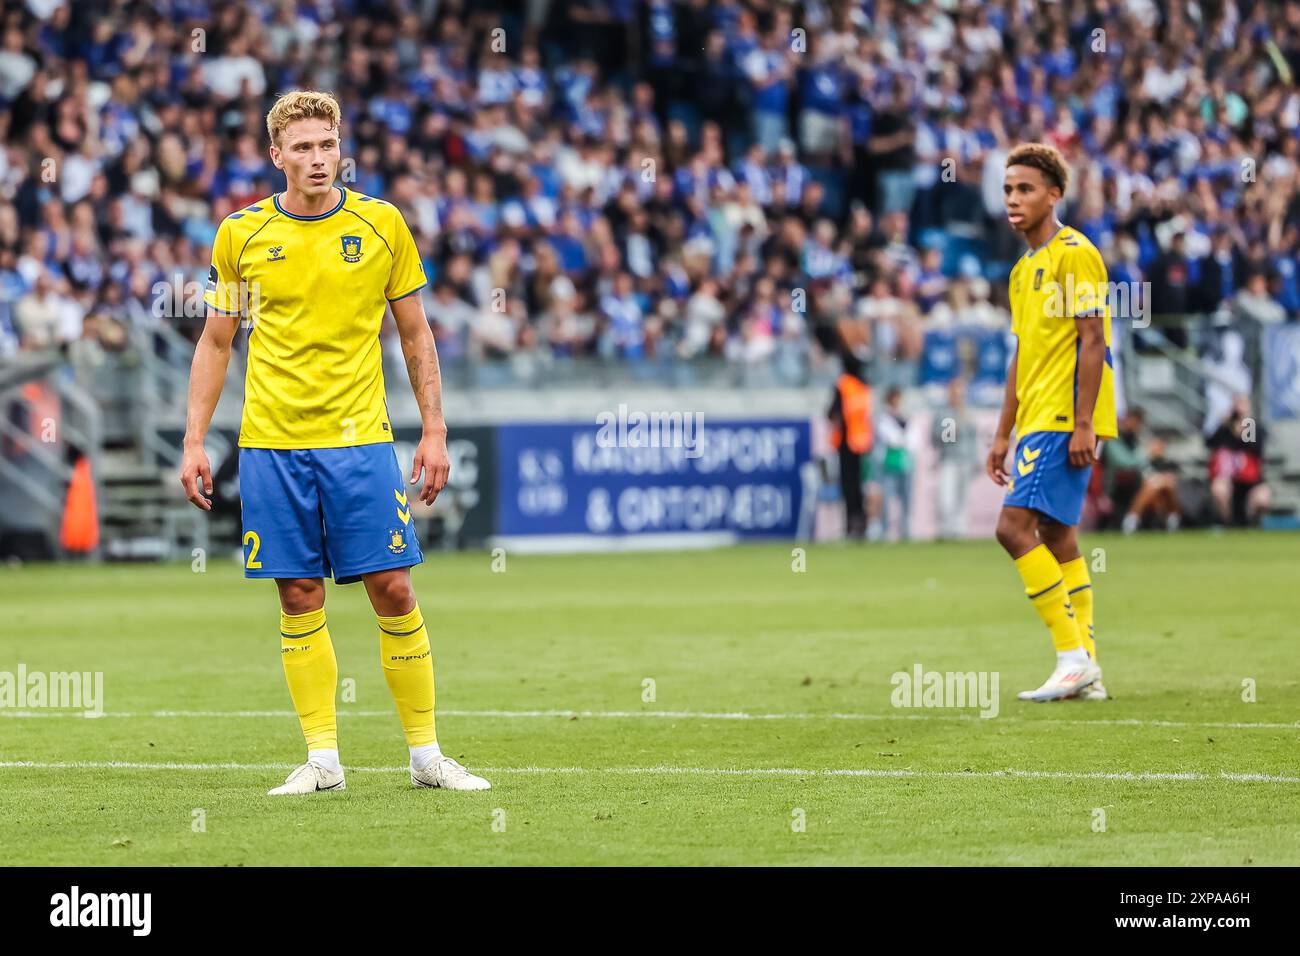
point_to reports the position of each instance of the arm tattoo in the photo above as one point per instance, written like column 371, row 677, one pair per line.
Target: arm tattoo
column 426, row 381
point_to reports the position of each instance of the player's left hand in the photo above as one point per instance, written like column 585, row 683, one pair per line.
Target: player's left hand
column 996, row 465
column 1083, row 445
column 431, row 457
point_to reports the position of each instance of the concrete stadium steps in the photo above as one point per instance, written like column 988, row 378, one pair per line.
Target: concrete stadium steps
column 1284, row 477
column 143, row 513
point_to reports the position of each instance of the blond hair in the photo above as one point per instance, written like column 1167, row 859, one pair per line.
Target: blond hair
column 300, row 105
column 1046, row 159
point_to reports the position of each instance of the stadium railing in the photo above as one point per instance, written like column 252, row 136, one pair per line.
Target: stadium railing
column 47, row 423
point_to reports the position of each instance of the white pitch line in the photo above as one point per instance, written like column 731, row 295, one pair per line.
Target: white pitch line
column 670, row 715
column 1123, row 776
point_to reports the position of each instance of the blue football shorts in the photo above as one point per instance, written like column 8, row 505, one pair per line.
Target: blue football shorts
column 1043, row 479
column 311, row 512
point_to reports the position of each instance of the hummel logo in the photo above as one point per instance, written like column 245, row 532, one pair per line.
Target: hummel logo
column 403, row 512
column 275, row 254
column 1026, row 466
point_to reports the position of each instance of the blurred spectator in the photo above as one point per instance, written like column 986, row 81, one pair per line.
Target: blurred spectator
column 1255, row 303
column 822, row 98
column 47, row 316
column 704, row 327
column 450, row 317
column 1125, row 462
column 770, row 68
column 955, row 439
column 1171, row 286
column 896, row 437
column 1141, row 481
column 1226, row 377
column 1221, row 273
column 1157, row 496
column 625, row 333
column 1237, row 484
column 892, row 148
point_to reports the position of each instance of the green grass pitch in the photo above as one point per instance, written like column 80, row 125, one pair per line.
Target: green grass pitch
column 770, row 738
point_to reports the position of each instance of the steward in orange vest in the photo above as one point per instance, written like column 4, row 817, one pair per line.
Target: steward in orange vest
column 851, row 436
column 853, row 404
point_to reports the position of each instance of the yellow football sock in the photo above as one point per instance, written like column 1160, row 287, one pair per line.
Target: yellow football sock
column 408, row 668
column 312, row 673
column 1078, row 587
column 1045, row 587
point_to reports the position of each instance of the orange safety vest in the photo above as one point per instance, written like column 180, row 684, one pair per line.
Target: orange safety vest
column 80, row 531
column 855, row 410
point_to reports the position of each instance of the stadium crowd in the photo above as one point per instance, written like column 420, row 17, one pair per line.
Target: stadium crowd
column 754, row 181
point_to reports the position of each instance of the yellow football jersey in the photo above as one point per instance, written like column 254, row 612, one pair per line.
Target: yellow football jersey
column 315, row 289
column 1049, row 287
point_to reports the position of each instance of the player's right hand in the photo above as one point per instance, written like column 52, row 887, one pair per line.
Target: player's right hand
column 196, row 477
column 996, row 466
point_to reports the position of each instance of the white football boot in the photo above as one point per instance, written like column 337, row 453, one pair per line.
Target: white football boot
column 1094, row 691
column 1066, row 681
column 309, row 778
column 447, row 774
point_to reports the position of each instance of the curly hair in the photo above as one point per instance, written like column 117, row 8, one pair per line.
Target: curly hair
column 300, row 105
column 1046, row 159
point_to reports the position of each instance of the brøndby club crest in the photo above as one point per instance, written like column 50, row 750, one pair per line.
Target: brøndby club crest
column 397, row 541
column 351, row 248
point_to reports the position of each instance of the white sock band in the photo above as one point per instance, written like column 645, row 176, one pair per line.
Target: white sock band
column 424, row 755
column 329, row 759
